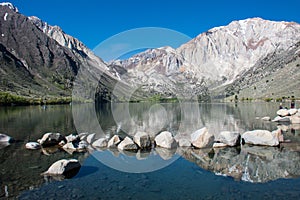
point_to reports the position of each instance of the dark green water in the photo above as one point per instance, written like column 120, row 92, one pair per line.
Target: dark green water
column 230, row 173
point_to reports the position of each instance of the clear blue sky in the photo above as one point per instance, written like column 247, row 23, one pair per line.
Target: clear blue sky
column 93, row 21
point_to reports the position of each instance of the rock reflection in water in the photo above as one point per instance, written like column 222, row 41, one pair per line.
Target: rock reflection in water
column 248, row 163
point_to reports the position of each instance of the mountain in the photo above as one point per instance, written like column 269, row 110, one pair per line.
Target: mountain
column 41, row 62
column 212, row 60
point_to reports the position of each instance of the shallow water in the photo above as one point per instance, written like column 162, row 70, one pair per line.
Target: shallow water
column 230, row 173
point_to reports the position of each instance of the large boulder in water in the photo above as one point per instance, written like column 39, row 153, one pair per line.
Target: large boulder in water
column 261, row 137
column 62, row 167
column 100, row 143
column 142, row 139
column 114, row 141
column 202, row 138
column 51, row 139
column 165, row 140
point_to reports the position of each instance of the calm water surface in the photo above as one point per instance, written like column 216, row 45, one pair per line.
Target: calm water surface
column 184, row 173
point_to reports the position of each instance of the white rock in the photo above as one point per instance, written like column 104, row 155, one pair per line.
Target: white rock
column 266, row 118
column 282, row 112
column 127, row 144
column 32, row 145
column 83, row 136
column 5, row 138
column 229, row 138
column 100, row 143
column 69, row 145
column 183, row 142
column 72, row 137
column 293, row 111
column 142, row 139
column 165, row 140
column 202, row 138
column 114, row 141
column 51, row 139
column 281, row 119
column 261, row 137
column 90, row 138
column 219, row 145
column 62, row 167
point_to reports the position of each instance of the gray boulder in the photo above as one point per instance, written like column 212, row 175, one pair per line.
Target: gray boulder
column 72, row 138
column 295, row 119
column 183, row 142
column 293, row 111
column 51, row 139
column 128, row 145
column 165, row 140
column 229, row 138
column 202, row 138
column 281, row 119
column 90, row 138
column 142, row 139
column 61, row 167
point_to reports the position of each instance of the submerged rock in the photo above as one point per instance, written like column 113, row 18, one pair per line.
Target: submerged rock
column 266, row 118
column 142, row 139
column 62, row 167
column 229, row 138
column 114, row 141
column 5, row 138
column 261, row 137
column 127, row 144
column 100, row 143
column 32, row 145
column 51, row 139
column 202, row 138
column 165, row 140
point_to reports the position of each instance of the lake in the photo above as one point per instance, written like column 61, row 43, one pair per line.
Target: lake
column 244, row 172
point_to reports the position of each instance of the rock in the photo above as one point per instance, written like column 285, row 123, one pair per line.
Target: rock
column 51, row 139
column 282, row 112
column 278, row 134
column 165, row 140
column 90, row 138
column 219, row 145
column 72, row 138
column 183, row 142
column 5, row 138
column 69, row 145
column 261, row 137
column 266, row 118
column 62, row 167
column 293, row 111
column 142, row 139
column 32, row 145
column 82, row 136
column 229, row 138
column 127, row 144
column 202, row 138
column 100, row 143
column 295, row 119
column 114, row 141
column 281, row 119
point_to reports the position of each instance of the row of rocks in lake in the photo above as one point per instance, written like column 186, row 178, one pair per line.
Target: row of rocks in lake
column 287, row 116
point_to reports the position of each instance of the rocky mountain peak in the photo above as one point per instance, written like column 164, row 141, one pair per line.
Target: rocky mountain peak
column 10, row 6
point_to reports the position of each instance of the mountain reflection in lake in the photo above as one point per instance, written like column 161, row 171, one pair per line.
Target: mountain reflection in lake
column 246, row 164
